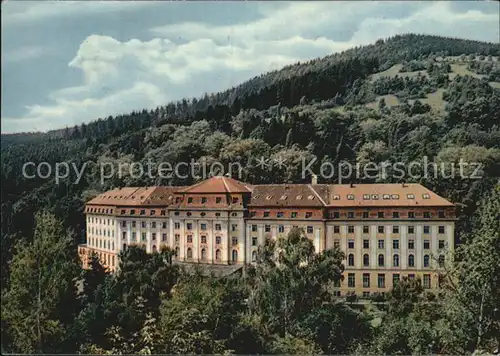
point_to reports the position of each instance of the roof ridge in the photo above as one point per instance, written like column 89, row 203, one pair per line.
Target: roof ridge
column 225, row 185
column 316, row 193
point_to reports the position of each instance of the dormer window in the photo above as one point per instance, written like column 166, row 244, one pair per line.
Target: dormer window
column 203, row 200
column 255, row 197
column 366, row 196
column 132, row 212
column 374, row 196
column 350, row 197
column 143, row 212
column 299, row 197
column 410, row 196
column 336, row 197
column 235, row 200
column 283, row 197
column 386, row 197
column 269, row 197
column 395, row 196
column 190, row 200
column 218, row 200
column 153, row 212
column 310, row 197
column 426, row 196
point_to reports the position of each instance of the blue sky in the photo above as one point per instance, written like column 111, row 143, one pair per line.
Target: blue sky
column 64, row 63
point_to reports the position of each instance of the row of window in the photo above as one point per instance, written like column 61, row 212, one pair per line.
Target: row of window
column 144, row 236
column 104, row 221
column 102, row 232
column 395, row 244
column 143, row 224
column 281, row 214
column 395, row 229
column 103, row 244
column 351, row 280
column 204, row 200
column 203, row 253
column 381, row 215
column 395, row 260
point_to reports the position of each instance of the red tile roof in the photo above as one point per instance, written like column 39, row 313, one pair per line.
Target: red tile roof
column 217, row 184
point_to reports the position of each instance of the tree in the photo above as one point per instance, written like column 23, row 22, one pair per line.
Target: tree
column 40, row 304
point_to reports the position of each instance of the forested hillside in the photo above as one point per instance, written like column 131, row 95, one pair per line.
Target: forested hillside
column 398, row 100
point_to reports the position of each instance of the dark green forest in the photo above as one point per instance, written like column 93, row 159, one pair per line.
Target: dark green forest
column 398, row 100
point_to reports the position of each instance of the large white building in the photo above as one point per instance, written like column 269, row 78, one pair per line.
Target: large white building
column 386, row 231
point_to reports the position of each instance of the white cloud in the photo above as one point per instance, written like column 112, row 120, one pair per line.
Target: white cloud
column 17, row 13
column 123, row 76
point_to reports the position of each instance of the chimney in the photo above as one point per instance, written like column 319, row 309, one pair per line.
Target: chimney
column 314, row 179
column 352, row 185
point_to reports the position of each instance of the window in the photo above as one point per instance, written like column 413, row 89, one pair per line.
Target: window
column 203, row 226
column 164, row 237
column 189, row 253
column 336, row 229
column 177, row 226
column 411, row 244
column 309, row 214
column 203, row 214
column 189, row 226
column 395, row 244
column 254, row 256
column 234, row 241
column 336, row 243
column 143, row 212
column 427, row 281
column 124, row 223
column 426, row 196
column 380, row 229
column 365, row 215
column 380, row 214
column 133, row 223
column 217, row 240
column 235, row 201
column 441, row 214
column 267, row 228
column 381, row 280
column 395, row 229
column 335, row 215
column 411, row 229
column 217, row 255
column 124, row 235
column 266, row 214
column 164, row 225
column 366, row 196
column 234, row 227
column 381, row 244
column 143, row 224
column 381, row 260
column 350, row 229
column 336, row 197
column 411, row 215
column 427, row 229
column 441, row 244
column 411, row 261
column 351, row 280
column 203, row 254
column 132, row 212
column 218, row 227
column 254, row 228
column 426, row 261
column 203, row 200
column 190, row 200
column 294, row 214
column 189, row 213
column 189, row 239
column 350, row 244
column 410, row 196
column 366, row 280
column 350, row 260
column 427, row 244
column 411, row 276
column 143, row 236
column 427, row 215
column 395, row 279
column 366, row 243
column 177, row 238
column 254, row 241
column 395, row 260
column 310, row 229
column 203, row 239
column 441, row 229
column 235, row 255
column 441, row 261
column 153, row 236
column 366, row 229
column 218, row 200
column 163, row 212
column 217, row 214
column 350, row 197
column 386, row 196
column 281, row 228
column 279, row 214
column 176, row 213
column 350, row 215
column 395, row 215
column 366, row 260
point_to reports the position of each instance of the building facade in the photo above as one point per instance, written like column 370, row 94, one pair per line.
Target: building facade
column 387, row 231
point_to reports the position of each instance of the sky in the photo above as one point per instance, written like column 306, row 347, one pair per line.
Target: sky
column 64, row 63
